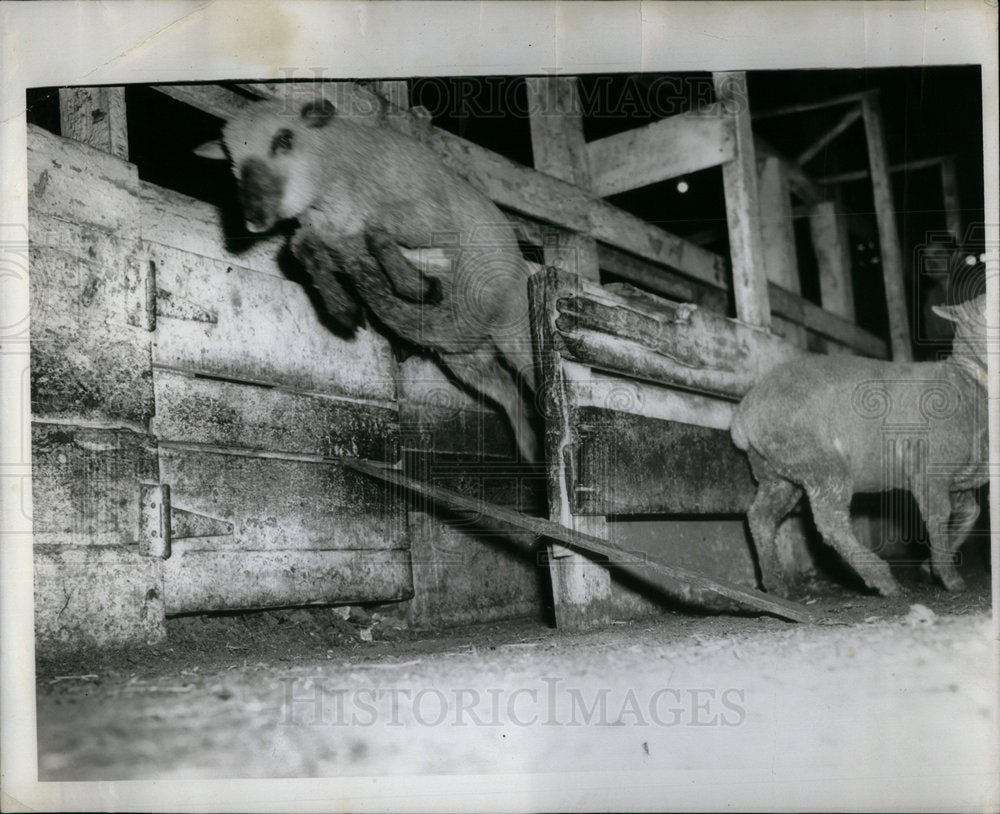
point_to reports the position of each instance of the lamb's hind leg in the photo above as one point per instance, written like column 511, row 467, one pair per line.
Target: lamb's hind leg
column 483, row 373
column 775, row 498
column 830, row 504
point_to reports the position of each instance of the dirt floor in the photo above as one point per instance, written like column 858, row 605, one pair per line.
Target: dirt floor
column 899, row 696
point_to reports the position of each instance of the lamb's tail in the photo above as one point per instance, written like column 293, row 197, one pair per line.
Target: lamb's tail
column 738, row 431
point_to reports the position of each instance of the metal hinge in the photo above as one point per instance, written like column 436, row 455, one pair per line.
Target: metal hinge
column 160, row 523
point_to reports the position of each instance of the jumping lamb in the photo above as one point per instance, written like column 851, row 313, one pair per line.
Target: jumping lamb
column 368, row 205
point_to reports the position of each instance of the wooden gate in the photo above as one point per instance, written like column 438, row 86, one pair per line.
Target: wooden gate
column 189, row 409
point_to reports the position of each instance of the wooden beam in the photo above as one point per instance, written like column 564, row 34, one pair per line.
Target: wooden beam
column 885, row 213
column 95, row 116
column 906, row 166
column 669, row 148
column 739, row 177
column 804, row 107
column 833, row 259
column 529, row 528
column 846, row 121
column 581, row 591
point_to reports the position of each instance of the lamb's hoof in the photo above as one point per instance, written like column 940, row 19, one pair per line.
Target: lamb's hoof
column 952, row 582
column 888, row 588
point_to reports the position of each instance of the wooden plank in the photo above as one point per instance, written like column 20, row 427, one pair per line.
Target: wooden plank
column 280, row 503
column 86, row 484
column 242, row 416
column 647, row 570
column 674, row 344
column 87, row 361
column 833, row 259
column 952, row 204
column 799, row 181
column 805, row 107
column 96, row 596
column 905, row 166
column 233, row 322
column 581, row 591
column 172, row 219
column 739, row 177
column 196, row 580
column 76, row 183
column 556, row 124
column 96, row 117
column 813, row 149
column 649, row 400
column 666, row 149
column 829, row 136
column 631, row 464
column 777, row 229
column 885, row 213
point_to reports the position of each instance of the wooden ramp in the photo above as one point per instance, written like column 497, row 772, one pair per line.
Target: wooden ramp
column 604, row 552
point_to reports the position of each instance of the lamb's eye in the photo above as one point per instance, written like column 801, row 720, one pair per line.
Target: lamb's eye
column 282, row 142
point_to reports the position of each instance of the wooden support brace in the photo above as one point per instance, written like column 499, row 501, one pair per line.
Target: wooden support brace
column 885, row 213
column 739, row 178
column 528, row 529
column 95, row 116
column 846, row 121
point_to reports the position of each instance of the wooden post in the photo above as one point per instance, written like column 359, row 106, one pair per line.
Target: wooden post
column 885, row 212
column 949, row 190
column 581, row 589
column 95, row 116
column 739, row 178
column 777, row 235
column 833, row 257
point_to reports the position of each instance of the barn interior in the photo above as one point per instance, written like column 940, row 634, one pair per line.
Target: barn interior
column 243, row 517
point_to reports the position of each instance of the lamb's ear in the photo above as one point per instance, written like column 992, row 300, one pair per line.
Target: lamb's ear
column 318, row 113
column 211, row 149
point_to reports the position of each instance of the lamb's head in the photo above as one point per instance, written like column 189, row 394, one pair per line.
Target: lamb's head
column 273, row 154
column 969, row 344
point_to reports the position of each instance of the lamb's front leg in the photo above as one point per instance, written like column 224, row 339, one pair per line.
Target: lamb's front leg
column 948, row 516
column 323, row 264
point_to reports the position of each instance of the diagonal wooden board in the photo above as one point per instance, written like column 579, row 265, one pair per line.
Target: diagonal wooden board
column 615, row 557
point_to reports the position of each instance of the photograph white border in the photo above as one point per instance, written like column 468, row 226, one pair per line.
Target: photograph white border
column 156, row 41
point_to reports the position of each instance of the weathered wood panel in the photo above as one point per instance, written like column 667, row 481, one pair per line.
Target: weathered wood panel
column 87, row 360
column 674, row 344
column 86, row 484
column 172, row 219
column 74, row 182
column 95, row 116
column 631, row 464
column 89, row 596
column 665, row 149
column 230, row 321
column 277, row 503
column 211, row 580
column 229, row 414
